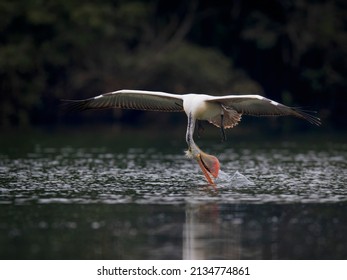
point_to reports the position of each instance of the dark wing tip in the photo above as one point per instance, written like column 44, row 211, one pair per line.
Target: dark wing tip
column 74, row 105
column 307, row 115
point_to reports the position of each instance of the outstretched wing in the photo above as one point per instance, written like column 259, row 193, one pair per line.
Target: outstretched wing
column 130, row 99
column 257, row 105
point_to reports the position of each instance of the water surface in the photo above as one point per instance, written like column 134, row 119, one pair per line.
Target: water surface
column 122, row 198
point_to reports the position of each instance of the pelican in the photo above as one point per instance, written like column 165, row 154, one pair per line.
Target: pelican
column 222, row 111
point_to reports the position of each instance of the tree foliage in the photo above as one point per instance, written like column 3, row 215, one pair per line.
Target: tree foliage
column 292, row 51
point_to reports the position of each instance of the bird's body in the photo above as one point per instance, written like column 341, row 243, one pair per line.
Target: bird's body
column 199, row 107
column 222, row 111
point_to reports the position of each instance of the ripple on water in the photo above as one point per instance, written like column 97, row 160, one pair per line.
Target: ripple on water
column 68, row 175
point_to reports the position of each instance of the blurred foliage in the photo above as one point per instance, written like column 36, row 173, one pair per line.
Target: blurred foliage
column 291, row 51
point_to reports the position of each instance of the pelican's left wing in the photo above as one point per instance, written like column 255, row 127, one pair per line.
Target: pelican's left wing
column 130, row 99
column 257, row 105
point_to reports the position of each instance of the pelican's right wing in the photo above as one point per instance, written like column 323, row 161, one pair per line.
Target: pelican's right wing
column 257, row 105
column 130, row 99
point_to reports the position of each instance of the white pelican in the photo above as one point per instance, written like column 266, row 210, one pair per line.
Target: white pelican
column 222, row 111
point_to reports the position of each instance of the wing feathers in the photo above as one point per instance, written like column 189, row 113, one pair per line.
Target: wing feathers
column 257, row 105
column 130, row 99
column 233, row 105
column 231, row 118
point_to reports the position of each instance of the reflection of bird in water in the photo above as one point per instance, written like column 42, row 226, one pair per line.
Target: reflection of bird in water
column 222, row 111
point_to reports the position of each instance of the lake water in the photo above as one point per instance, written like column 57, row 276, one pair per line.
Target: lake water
column 129, row 196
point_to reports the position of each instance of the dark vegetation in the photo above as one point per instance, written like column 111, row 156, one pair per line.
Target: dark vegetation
column 291, row 51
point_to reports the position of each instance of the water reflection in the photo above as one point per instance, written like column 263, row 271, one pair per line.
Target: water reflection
column 209, row 235
column 191, row 231
column 218, row 231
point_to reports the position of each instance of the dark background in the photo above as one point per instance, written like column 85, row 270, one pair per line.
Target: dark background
column 291, row 51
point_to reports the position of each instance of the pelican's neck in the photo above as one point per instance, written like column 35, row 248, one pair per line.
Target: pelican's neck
column 190, row 129
column 193, row 149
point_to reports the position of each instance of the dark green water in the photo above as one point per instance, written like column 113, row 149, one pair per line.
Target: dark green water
column 129, row 196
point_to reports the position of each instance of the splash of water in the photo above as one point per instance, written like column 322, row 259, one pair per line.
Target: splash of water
column 235, row 180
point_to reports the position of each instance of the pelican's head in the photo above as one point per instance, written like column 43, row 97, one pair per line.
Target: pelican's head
column 209, row 164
